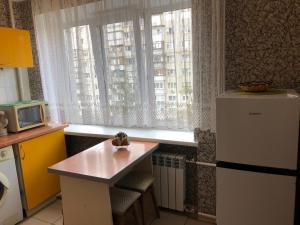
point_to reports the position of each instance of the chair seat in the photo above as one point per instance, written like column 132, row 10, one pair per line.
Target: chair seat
column 137, row 181
column 122, row 200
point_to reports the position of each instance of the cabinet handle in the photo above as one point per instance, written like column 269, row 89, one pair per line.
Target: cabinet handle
column 22, row 152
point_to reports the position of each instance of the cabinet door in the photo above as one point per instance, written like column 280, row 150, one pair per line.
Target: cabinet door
column 15, row 48
column 36, row 155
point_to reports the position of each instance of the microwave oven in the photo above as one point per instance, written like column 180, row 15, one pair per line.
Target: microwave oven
column 24, row 115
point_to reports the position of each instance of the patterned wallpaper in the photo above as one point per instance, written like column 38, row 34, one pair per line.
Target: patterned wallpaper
column 4, row 13
column 206, row 152
column 24, row 20
column 262, row 42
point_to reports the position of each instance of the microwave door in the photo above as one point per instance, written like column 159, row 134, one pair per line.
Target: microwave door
column 29, row 116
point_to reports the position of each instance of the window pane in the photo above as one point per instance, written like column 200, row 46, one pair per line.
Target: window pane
column 82, row 69
column 121, row 71
column 172, row 54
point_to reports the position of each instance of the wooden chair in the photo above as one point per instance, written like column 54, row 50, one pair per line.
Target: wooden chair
column 122, row 202
column 141, row 182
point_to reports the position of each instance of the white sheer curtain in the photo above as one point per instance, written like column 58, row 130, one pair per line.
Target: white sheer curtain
column 208, row 57
column 117, row 63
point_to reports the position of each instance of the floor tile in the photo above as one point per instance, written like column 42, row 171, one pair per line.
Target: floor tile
column 50, row 214
column 53, row 215
column 57, row 204
column 59, row 222
column 196, row 222
column 170, row 218
column 33, row 221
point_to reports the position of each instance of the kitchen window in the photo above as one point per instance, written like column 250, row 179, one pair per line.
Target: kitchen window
column 153, row 27
column 123, row 68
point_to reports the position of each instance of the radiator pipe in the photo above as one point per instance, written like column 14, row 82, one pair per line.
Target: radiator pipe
column 211, row 218
column 18, row 72
column 201, row 163
column 11, row 14
column 203, row 216
column 13, row 25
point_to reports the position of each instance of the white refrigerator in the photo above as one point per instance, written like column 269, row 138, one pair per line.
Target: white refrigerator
column 257, row 158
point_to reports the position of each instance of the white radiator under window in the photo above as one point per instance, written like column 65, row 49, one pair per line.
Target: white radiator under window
column 169, row 171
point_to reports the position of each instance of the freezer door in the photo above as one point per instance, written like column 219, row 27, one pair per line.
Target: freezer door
column 261, row 132
column 250, row 198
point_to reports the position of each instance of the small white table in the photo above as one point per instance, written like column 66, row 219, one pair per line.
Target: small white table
column 86, row 177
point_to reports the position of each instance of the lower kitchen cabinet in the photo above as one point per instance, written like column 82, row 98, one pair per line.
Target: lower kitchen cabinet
column 34, row 157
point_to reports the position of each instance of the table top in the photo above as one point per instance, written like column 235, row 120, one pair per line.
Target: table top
column 14, row 138
column 103, row 162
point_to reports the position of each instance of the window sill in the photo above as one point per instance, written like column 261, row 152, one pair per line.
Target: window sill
column 185, row 138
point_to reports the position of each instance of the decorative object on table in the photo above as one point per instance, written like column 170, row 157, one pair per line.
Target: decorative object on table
column 256, row 86
column 120, row 140
column 3, row 124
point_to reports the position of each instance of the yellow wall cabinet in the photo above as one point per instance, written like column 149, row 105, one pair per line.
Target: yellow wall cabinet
column 15, row 48
column 34, row 157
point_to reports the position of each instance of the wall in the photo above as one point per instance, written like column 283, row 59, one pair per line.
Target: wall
column 262, row 42
column 8, row 86
column 206, row 174
column 4, row 13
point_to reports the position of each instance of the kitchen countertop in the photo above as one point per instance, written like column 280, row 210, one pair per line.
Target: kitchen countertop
column 103, row 162
column 14, row 138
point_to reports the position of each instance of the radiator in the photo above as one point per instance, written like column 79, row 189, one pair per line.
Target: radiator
column 169, row 171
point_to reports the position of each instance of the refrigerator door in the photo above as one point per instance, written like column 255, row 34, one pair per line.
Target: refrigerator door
column 258, row 131
column 250, row 198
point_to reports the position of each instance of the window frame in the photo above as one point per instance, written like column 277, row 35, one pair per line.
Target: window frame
column 100, row 20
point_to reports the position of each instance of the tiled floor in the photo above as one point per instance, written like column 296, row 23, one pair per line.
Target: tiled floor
column 50, row 215
column 53, row 215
